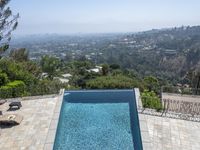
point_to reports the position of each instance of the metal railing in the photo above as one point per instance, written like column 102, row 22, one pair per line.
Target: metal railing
column 176, row 109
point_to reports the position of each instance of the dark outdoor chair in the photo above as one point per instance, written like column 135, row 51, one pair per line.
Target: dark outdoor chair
column 15, row 104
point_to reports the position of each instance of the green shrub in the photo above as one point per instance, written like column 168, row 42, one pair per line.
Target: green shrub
column 169, row 89
column 67, row 87
column 186, row 91
column 13, row 89
column 5, row 92
column 152, row 84
column 44, row 87
column 3, row 79
column 151, row 100
column 112, row 82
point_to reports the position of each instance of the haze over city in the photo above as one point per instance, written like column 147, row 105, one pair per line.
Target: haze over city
column 102, row 16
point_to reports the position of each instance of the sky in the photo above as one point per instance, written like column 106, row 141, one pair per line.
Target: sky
column 102, row 16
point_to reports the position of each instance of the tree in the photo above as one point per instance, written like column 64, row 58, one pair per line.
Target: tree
column 105, row 69
column 3, row 78
column 50, row 65
column 19, row 55
column 194, row 77
column 8, row 23
column 17, row 71
column 114, row 66
column 32, row 67
column 197, row 76
column 152, row 83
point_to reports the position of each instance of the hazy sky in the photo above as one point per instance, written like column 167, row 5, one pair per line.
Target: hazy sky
column 94, row 16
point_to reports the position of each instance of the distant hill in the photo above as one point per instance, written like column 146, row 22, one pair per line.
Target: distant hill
column 178, row 47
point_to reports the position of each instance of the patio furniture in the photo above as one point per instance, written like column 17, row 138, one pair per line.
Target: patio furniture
column 2, row 101
column 15, row 104
column 10, row 119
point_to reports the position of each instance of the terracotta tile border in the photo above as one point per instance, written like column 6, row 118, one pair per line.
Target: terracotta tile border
column 146, row 141
column 54, row 123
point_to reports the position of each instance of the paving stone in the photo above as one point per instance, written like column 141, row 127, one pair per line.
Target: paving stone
column 48, row 147
column 171, row 134
column 32, row 132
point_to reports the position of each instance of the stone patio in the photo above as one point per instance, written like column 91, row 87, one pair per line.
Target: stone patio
column 33, row 130
column 170, row 134
column 40, row 117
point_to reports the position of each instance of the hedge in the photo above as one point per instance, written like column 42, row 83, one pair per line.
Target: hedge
column 45, row 87
column 13, row 89
column 112, row 82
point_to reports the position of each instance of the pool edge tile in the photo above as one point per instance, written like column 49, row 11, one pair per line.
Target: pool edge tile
column 51, row 135
column 146, row 141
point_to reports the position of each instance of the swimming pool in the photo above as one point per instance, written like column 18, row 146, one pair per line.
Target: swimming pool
column 98, row 120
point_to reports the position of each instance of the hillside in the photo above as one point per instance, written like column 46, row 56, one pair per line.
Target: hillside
column 168, row 54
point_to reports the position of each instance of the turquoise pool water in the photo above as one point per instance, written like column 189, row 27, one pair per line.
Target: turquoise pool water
column 98, row 120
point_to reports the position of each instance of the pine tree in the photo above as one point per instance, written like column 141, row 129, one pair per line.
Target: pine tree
column 8, row 23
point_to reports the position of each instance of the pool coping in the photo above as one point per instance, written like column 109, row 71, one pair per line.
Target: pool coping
column 51, row 135
column 146, row 141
